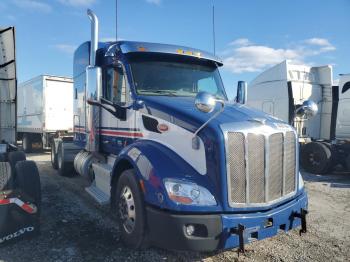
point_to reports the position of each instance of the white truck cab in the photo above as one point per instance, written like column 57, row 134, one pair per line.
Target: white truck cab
column 343, row 118
column 282, row 91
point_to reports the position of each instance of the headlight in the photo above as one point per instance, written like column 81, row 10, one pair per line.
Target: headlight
column 187, row 193
column 301, row 182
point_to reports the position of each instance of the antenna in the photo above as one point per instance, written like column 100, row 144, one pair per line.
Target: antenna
column 116, row 20
column 213, row 28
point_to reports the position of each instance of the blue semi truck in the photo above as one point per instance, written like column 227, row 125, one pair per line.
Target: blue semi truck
column 181, row 166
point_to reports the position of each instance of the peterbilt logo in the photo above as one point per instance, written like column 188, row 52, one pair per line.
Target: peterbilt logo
column 163, row 128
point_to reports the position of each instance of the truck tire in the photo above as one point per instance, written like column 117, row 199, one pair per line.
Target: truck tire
column 316, row 158
column 6, row 177
column 130, row 208
column 347, row 161
column 6, row 183
column 14, row 157
column 64, row 168
column 28, row 180
column 27, row 143
column 54, row 156
column 334, row 156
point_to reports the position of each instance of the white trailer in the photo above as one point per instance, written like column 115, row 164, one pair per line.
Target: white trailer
column 45, row 110
column 281, row 92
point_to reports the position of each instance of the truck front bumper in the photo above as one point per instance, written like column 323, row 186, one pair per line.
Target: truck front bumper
column 221, row 231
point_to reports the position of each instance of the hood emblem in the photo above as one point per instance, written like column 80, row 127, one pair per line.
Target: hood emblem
column 258, row 120
column 163, row 128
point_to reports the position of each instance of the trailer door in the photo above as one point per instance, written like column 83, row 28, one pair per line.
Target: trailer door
column 58, row 105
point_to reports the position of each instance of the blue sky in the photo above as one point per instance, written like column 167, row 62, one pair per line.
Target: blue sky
column 251, row 35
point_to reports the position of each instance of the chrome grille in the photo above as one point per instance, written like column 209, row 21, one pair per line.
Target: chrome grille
column 275, row 175
column 236, row 156
column 289, row 160
column 261, row 168
column 256, row 168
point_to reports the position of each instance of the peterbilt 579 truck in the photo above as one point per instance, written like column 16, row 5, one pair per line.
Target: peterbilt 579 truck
column 181, row 167
column 283, row 89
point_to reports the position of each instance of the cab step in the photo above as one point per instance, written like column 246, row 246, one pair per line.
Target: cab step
column 100, row 197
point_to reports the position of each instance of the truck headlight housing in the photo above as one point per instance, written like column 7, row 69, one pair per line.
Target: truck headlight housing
column 188, row 193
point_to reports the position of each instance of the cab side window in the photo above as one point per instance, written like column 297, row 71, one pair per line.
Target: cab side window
column 115, row 85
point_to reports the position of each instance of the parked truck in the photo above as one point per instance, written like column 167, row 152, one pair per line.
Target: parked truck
column 20, row 194
column 281, row 91
column 45, row 110
column 181, row 166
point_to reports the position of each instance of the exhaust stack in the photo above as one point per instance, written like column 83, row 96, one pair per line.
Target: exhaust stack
column 94, row 36
column 93, row 90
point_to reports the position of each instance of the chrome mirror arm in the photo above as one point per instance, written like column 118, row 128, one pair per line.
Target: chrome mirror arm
column 195, row 139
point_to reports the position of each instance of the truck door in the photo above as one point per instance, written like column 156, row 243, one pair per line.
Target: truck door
column 343, row 118
column 116, row 132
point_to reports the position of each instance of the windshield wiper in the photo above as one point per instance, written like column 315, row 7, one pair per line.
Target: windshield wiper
column 165, row 92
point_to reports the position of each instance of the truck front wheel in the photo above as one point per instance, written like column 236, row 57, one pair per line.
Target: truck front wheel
column 130, row 210
column 316, row 158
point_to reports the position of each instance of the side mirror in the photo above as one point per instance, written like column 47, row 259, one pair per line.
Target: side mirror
column 205, row 102
column 242, row 90
column 307, row 110
column 93, row 83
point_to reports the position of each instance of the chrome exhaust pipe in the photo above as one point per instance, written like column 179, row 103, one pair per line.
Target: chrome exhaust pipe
column 94, row 36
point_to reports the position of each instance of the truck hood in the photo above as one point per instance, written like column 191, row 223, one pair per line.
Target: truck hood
column 182, row 112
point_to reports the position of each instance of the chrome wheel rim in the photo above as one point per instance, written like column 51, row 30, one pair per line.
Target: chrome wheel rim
column 127, row 212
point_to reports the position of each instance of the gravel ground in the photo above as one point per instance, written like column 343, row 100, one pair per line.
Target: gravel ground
column 75, row 228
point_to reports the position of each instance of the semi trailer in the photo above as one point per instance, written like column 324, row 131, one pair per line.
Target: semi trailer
column 45, row 110
column 282, row 90
column 181, row 167
column 20, row 194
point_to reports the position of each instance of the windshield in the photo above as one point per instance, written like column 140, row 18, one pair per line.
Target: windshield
column 173, row 77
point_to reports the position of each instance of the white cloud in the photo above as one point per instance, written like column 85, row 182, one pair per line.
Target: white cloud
column 78, row 3
column 240, row 42
column 317, row 41
column 66, row 48
column 242, row 55
column 33, row 5
column 155, row 2
column 324, row 44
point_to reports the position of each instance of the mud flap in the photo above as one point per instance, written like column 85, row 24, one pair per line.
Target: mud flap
column 16, row 223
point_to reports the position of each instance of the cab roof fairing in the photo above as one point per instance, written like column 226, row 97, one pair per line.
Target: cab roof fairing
column 126, row 47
